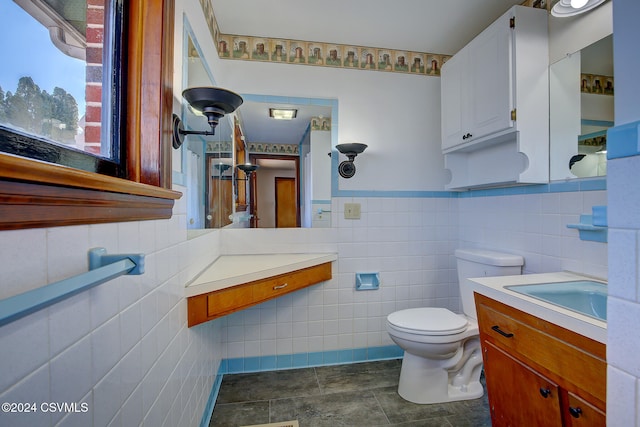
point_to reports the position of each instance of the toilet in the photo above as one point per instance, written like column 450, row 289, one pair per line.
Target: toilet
column 442, row 358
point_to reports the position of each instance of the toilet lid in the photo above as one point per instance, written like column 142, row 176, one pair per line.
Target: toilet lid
column 428, row 321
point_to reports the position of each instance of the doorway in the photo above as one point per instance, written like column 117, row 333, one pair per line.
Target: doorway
column 262, row 191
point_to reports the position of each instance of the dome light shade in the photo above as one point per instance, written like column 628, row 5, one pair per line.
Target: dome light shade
column 567, row 8
column 578, row 4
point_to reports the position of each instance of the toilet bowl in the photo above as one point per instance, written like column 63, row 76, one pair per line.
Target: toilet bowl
column 442, row 358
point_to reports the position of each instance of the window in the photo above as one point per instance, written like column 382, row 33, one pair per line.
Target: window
column 53, row 169
column 52, row 103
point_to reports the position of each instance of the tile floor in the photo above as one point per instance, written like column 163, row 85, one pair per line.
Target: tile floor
column 360, row 394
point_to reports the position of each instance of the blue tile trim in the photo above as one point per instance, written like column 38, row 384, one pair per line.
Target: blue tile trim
column 623, row 141
column 305, row 360
column 213, row 395
column 583, row 184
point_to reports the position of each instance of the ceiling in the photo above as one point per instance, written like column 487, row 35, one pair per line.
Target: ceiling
column 433, row 26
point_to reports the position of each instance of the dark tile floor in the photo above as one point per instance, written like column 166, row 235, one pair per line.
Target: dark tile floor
column 360, row 394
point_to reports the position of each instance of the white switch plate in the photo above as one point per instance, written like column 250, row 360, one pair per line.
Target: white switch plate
column 352, row 211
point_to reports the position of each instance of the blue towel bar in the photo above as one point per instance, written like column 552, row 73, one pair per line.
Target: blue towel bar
column 102, row 268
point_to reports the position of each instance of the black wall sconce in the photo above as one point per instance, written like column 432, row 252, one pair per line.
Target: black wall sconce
column 213, row 102
column 347, row 168
column 221, row 168
column 248, row 169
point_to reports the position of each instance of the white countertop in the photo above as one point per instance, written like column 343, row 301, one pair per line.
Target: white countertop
column 230, row 270
column 494, row 287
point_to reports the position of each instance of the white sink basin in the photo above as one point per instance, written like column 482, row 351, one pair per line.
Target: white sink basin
column 572, row 301
column 583, row 296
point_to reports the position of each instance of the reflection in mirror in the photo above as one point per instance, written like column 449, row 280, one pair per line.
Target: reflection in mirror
column 207, row 160
column 292, row 186
column 582, row 108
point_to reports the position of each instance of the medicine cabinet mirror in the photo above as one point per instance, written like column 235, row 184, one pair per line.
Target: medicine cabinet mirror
column 582, row 109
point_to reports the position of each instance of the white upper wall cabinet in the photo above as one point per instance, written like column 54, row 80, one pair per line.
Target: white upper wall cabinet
column 495, row 104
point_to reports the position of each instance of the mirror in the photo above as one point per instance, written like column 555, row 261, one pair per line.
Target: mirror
column 582, row 108
column 292, row 185
column 207, row 162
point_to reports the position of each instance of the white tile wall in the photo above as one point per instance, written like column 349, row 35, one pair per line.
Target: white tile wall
column 535, row 226
column 410, row 241
column 122, row 347
column 135, row 362
column 623, row 381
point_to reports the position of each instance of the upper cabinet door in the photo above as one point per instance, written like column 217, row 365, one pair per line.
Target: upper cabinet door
column 490, row 71
column 477, row 87
column 454, row 97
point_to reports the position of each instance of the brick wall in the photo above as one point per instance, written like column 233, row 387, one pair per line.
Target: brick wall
column 93, row 94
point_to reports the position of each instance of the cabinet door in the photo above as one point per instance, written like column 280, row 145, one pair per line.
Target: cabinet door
column 518, row 395
column 490, row 79
column 453, row 107
column 581, row 413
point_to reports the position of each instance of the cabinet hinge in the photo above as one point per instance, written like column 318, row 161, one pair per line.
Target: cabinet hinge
column 513, row 114
column 512, row 22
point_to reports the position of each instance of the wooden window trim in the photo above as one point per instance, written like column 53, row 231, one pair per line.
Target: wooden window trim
column 38, row 194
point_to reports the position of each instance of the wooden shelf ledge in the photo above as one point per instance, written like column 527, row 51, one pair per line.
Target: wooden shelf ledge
column 236, row 282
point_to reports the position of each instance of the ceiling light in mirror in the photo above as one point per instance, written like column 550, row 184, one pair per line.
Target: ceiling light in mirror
column 283, row 114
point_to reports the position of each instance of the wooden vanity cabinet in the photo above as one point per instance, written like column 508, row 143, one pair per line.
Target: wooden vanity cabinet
column 538, row 373
column 211, row 305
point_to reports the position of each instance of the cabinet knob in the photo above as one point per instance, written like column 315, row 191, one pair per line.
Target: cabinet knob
column 545, row 392
column 467, row 136
column 575, row 412
column 275, row 288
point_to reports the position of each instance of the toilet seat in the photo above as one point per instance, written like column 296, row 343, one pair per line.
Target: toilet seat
column 428, row 321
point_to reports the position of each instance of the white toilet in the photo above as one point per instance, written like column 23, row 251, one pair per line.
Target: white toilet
column 442, row 358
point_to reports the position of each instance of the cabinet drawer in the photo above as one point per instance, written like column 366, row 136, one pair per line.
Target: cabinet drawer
column 550, row 349
column 209, row 306
column 229, row 299
column 279, row 285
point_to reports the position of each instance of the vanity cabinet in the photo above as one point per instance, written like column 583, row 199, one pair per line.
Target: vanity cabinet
column 211, row 305
column 538, row 373
column 495, row 104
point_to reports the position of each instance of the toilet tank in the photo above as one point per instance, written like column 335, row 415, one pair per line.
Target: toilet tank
column 481, row 263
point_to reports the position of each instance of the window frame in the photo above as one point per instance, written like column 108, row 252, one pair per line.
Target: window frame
column 39, row 194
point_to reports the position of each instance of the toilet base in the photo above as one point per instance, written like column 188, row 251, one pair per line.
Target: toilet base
column 425, row 381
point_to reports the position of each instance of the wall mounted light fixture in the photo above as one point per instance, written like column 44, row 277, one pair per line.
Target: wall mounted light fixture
column 567, row 8
column 347, row 168
column 212, row 102
column 248, row 169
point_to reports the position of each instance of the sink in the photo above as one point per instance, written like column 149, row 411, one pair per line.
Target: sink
column 587, row 297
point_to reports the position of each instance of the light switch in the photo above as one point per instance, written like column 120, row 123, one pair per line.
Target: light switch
column 352, row 211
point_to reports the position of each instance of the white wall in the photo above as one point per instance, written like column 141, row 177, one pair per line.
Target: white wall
column 396, row 115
